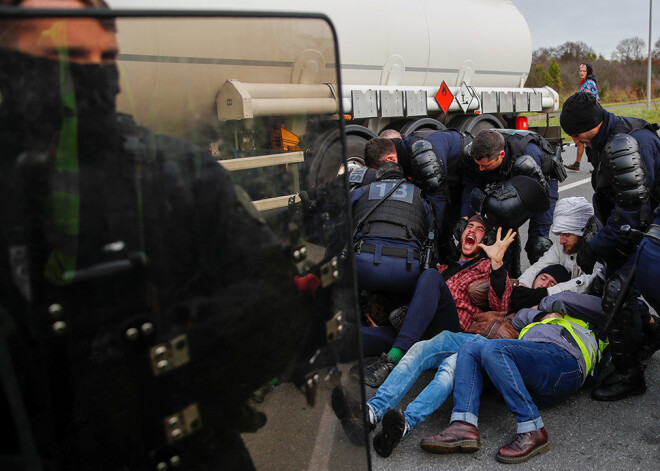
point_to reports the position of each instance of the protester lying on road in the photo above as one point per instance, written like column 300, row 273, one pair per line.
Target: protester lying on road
column 557, row 350
column 437, row 353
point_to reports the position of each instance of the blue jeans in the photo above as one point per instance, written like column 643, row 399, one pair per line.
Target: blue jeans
column 438, row 352
column 528, row 374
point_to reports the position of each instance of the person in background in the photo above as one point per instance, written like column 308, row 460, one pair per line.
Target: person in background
column 587, row 84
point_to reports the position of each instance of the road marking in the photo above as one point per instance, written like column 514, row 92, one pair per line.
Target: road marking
column 324, row 440
column 574, row 184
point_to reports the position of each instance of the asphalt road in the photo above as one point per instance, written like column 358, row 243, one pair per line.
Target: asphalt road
column 584, row 434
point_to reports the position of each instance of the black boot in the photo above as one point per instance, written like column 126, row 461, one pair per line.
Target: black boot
column 394, row 428
column 628, row 378
column 621, row 384
column 651, row 340
column 349, row 413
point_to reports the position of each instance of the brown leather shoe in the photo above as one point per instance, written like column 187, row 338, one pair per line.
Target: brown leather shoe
column 524, row 446
column 458, row 437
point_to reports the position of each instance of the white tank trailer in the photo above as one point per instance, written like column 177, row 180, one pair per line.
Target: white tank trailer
column 394, row 56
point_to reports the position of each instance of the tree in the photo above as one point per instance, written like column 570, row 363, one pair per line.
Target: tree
column 630, row 49
column 574, row 51
column 656, row 49
column 536, row 76
column 544, row 55
column 553, row 76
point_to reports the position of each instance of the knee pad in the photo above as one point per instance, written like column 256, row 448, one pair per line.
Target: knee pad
column 428, row 170
column 611, row 292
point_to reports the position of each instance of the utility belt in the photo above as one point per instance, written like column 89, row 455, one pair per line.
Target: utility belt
column 383, row 250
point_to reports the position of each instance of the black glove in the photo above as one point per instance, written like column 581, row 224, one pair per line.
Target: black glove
column 523, row 297
column 586, row 258
column 596, row 287
column 306, row 201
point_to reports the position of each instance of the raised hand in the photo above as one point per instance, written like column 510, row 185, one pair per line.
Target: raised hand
column 496, row 251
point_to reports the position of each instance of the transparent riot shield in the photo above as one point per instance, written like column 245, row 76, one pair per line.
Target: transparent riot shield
column 175, row 293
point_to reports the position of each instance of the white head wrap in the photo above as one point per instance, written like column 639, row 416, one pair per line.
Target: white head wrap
column 571, row 215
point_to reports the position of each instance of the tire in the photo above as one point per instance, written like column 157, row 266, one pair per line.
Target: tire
column 422, row 123
column 397, row 125
column 326, row 152
column 474, row 123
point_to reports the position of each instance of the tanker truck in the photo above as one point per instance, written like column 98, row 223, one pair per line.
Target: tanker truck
column 428, row 64
column 170, row 380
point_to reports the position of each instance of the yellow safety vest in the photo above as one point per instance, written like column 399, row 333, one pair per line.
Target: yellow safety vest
column 590, row 357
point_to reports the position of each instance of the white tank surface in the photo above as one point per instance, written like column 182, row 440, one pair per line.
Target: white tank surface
column 173, row 69
column 393, row 60
column 484, row 43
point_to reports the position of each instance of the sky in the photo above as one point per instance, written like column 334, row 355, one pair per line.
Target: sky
column 601, row 24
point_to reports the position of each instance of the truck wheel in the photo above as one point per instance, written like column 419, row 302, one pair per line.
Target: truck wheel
column 397, row 125
column 475, row 123
column 422, row 123
column 326, row 152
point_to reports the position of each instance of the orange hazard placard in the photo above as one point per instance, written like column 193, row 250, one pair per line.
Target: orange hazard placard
column 444, row 97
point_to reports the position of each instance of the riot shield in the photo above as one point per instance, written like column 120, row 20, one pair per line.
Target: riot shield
column 169, row 301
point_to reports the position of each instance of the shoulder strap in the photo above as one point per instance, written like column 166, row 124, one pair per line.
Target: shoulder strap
column 518, row 141
column 629, row 125
column 455, row 268
column 364, row 218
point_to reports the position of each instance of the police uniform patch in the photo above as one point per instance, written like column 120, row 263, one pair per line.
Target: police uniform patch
column 404, row 192
column 357, row 175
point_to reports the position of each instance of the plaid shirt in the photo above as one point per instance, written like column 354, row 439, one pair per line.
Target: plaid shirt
column 458, row 285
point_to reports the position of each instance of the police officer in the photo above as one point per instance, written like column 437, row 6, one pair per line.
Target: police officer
column 496, row 155
column 132, row 270
column 437, row 171
column 647, row 263
column 647, row 266
column 433, row 168
column 320, row 208
column 625, row 153
column 392, row 224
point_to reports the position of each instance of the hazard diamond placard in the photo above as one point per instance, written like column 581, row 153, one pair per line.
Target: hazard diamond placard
column 444, row 97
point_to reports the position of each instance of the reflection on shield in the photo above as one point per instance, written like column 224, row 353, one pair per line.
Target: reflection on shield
column 170, row 299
